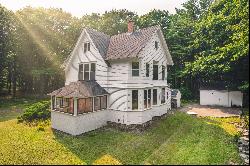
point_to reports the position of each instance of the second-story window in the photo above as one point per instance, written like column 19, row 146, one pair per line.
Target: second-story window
column 92, row 71
column 86, row 71
column 86, row 47
column 155, row 72
column 89, row 71
column 80, row 72
column 147, row 69
column 163, row 72
column 135, row 69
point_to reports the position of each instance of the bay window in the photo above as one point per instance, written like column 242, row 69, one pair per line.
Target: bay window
column 134, row 99
column 154, row 96
column 147, row 98
column 163, row 100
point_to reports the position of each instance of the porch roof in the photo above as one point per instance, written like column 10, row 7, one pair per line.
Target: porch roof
column 80, row 89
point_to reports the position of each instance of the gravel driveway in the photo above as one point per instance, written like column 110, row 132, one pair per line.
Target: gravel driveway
column 212, row 111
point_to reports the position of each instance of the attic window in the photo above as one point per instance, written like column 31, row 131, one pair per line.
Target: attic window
column 86, row 47
column 156, row 45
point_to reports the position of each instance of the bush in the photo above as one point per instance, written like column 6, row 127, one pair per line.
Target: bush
column 36, row 111
column 186, row 93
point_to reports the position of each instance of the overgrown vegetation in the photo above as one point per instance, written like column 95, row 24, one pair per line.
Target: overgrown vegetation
column 178, row 139
column 208, row 41
column 35, row 112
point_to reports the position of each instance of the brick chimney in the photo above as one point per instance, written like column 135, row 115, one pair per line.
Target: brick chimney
column 130, row 26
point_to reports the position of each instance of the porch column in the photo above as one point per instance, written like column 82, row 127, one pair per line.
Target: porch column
column 75, row 106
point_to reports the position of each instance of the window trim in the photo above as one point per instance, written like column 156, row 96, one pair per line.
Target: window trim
column 156, row 97
column 163, row 74
column 135, row 69
column 156, row 45
column 89, row 71
column 164, row 95
column 86, row 47
column 137, row 99
column 147, row 73
column 157, row 71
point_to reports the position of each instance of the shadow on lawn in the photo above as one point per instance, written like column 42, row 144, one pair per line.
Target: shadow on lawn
column 176, row 139
column 9, row 114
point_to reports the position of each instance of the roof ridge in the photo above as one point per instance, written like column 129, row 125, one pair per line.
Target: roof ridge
column 92, row 29
column 138, row 30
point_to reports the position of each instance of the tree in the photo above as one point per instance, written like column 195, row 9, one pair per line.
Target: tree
column 221, row 45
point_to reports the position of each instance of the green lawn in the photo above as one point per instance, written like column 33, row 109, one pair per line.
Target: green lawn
column 11, row 108
column 177, row 139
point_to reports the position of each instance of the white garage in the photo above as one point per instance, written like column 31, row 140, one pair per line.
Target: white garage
column 223, row 98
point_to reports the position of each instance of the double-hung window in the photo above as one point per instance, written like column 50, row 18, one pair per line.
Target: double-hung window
column 154, row 96
column 134, row 99
column 147, row 98
column 135, row 69
column 89, row 71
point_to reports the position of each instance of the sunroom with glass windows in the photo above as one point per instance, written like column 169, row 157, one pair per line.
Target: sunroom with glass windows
column 79, row 98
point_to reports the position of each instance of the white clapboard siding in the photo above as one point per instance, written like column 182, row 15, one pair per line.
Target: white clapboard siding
column 117, row 77
column 90, row 56
column 118, row 99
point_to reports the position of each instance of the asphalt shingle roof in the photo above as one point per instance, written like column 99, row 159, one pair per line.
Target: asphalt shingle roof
column 81, row 89
column 100, row 40
column 127, row 45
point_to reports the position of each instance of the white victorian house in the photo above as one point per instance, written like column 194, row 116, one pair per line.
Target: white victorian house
column 120, row 79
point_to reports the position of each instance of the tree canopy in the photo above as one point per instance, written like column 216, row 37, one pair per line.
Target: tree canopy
column 208, row 41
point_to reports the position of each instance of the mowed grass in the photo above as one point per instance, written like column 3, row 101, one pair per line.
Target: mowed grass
column 177, row 139
column 12, row 108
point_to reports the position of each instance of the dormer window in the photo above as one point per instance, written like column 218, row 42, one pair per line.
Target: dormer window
column 86, row 47
column 156, row 45
column 135, row 69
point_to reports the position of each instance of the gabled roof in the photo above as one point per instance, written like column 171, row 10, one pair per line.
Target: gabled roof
column 121, row 46
column 81, row 89
column 100, row 40
column 128, row 45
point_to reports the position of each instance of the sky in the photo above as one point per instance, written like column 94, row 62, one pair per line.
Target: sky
column 80, row 7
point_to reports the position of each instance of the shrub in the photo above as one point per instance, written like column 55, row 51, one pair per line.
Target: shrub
column 186, row 93
column 36, row 111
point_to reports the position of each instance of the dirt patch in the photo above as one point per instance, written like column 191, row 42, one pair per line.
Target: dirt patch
column 211, row 111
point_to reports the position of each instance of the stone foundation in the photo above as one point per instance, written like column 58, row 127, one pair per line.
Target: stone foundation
column 137, row 127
